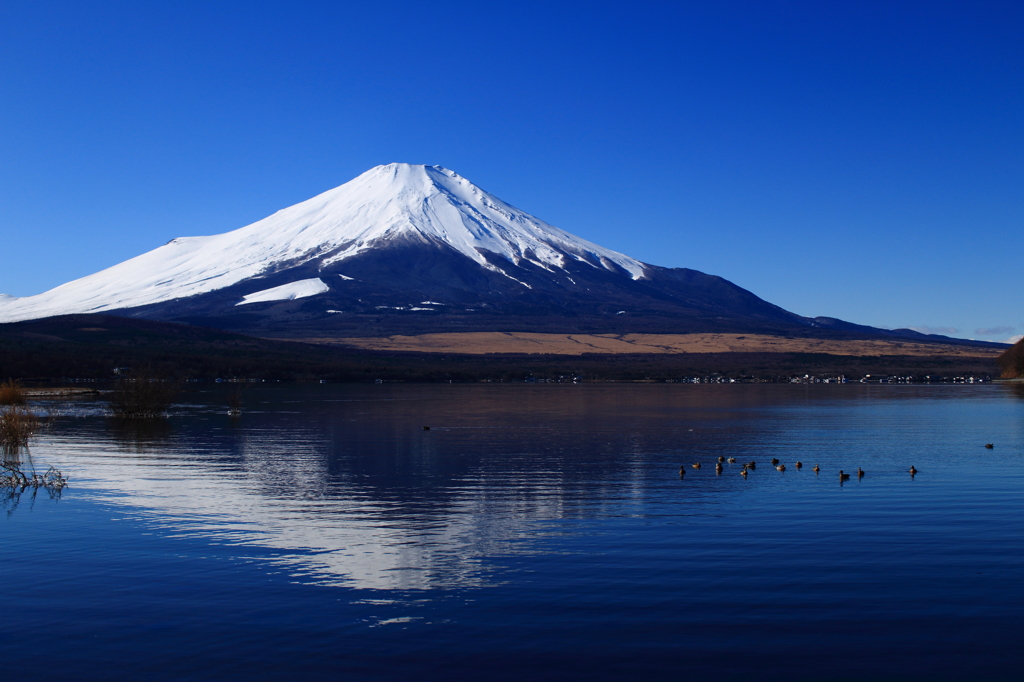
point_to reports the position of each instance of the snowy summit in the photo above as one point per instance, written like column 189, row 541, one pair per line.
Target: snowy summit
column 393, row 204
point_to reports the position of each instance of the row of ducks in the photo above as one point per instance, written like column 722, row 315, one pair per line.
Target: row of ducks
column 751, row 466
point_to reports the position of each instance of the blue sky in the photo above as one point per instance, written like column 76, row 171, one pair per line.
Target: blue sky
column 863, row 161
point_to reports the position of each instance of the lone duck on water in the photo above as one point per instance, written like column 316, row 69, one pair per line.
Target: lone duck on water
column 799, row 465
column 696, row 465
column 816, row 468
column 843, row 477
column 912, row 470
column 860, row 473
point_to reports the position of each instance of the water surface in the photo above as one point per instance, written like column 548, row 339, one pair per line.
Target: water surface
column 533, row 532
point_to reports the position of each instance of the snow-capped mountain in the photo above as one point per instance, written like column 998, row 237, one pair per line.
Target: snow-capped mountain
column 402, row 249
column 387, row 204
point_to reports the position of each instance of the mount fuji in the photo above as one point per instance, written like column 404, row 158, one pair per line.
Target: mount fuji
column 410, row 249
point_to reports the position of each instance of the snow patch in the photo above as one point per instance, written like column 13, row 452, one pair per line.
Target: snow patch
column 287, row 292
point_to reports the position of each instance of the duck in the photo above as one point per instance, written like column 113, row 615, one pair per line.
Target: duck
column 799, row 465
column 731, row 460
column 426, row 428
column 743, row 472
column 860, row 473
column 816, row 468
column 682, row 471
column 696, row 465
column 718, row 468
column 781, row 467
column 843, row 477
column 912, row 470
column 721, row 459
column 989, row 445
column 775, row 461
column 751, row 465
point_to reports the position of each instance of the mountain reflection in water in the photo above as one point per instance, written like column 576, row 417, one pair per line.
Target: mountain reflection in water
column 327, row 532
column 347, row 483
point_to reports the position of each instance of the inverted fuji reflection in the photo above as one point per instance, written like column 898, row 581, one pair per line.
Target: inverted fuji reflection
column 278, row 493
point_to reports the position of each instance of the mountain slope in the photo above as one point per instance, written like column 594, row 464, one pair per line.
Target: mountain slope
column 410, row 249
column 393, row 204
column 1012, row 361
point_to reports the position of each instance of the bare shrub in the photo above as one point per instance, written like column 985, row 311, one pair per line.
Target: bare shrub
column 12, row 476
column 235, row 402
column 140, row 395
column 15, row 482
column 17, row 425
column 11, row 393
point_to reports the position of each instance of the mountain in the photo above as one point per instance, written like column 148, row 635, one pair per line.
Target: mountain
column 409, row 249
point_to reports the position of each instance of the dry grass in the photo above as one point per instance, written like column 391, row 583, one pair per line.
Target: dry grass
column 11, row 393
column 17, row 426
column 478, row 343
column 140, row 395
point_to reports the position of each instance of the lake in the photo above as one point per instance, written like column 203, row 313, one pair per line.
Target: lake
column 536, row 532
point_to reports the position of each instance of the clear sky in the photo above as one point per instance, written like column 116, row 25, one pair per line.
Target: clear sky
column 858, row 160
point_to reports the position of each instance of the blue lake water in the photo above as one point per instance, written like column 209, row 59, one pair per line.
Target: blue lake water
column 534, row 532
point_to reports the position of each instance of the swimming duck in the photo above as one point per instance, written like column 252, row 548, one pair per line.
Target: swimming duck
column 912, row 470
column 731, row 460
column 682, row 471
column 799, row 465
column 718, row 468
column 781, row 467
column 775, row 461
column 989, row 445
column 696, row 465
column 816, row 468
column 721, row 459
column 751, row 465
column 426, row 428
column 843, row 477
column 860, row 473
column 743, row 472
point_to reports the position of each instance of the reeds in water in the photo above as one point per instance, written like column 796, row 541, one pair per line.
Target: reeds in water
column 235, row 402
column 11, row 393
column 141, row 395
column 12, row 476
column 17, row 426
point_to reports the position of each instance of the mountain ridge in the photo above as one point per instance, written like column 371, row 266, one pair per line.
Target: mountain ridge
column 406, row 249
column 393, row 203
